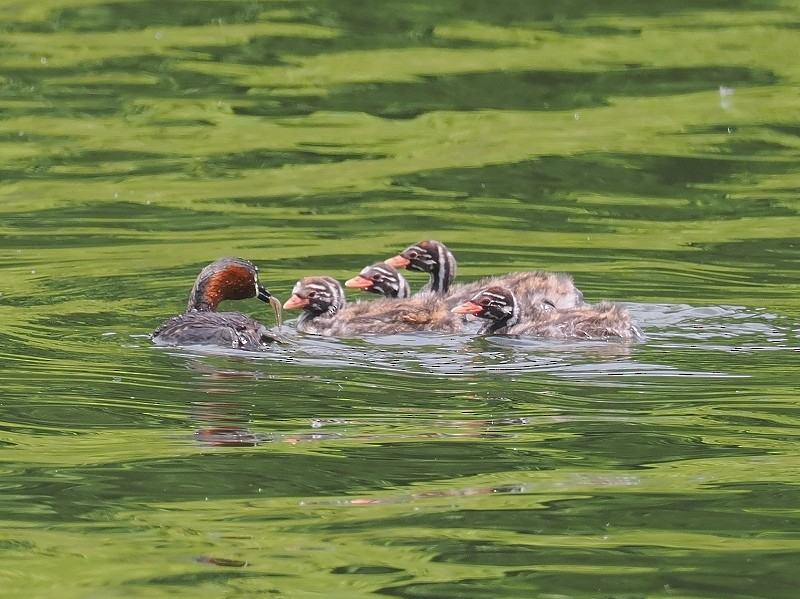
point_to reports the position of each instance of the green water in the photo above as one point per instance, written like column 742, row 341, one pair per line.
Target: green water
column 650, row 149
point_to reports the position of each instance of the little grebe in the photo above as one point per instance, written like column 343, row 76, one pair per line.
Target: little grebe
column 325, row 313
column 224, row 279
column 499, row 307
column 381, row 278
column 433, row 257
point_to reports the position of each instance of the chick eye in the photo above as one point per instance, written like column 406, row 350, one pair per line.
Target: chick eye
column 413, row 255
column 378, row 278
column 485, row 301
column 311, row 294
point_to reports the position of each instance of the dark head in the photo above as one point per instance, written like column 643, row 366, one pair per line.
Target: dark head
column 229, row 279
column 316, row 296
column 495, row 304
column 381, row 278
column 432, row 257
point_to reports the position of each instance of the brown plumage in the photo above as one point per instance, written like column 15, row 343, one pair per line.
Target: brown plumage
column 499, row 307
column 224, row 279
column 326, row 313
column 530, row 287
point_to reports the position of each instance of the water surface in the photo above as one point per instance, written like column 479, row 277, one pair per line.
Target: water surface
column 649, row 150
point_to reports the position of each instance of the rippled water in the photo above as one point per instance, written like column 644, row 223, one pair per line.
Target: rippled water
column 649, row 150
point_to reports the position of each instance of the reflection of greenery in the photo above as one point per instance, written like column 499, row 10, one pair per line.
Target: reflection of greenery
column 148, row 128
column 170, row 150
column 554, row 127
column 529, row 67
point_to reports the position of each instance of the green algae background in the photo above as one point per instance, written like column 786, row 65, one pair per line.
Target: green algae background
column 650, row 149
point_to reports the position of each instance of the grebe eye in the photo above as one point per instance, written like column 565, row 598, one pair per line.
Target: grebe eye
column 485, row 301
column 311, row 294
column 412, row 255
column 378, row 278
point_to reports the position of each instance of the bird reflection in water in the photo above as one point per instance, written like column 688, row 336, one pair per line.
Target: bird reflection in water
column 221, row 423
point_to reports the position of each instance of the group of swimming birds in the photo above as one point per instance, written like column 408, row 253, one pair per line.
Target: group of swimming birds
column 532, row 303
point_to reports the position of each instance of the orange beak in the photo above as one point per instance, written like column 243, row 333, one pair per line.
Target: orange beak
column 398, row 261
column 466, row 308
column 295, row 302
column 359, row 282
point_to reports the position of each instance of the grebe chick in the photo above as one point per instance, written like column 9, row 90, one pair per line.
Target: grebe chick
column 434, row 258
column 498, row 306
column 325, row 312
column 381, row 278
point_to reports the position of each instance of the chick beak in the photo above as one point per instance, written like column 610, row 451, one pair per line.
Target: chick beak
column 359, row 282
column 295, row 302
column 468, row 308
column 398, row 261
